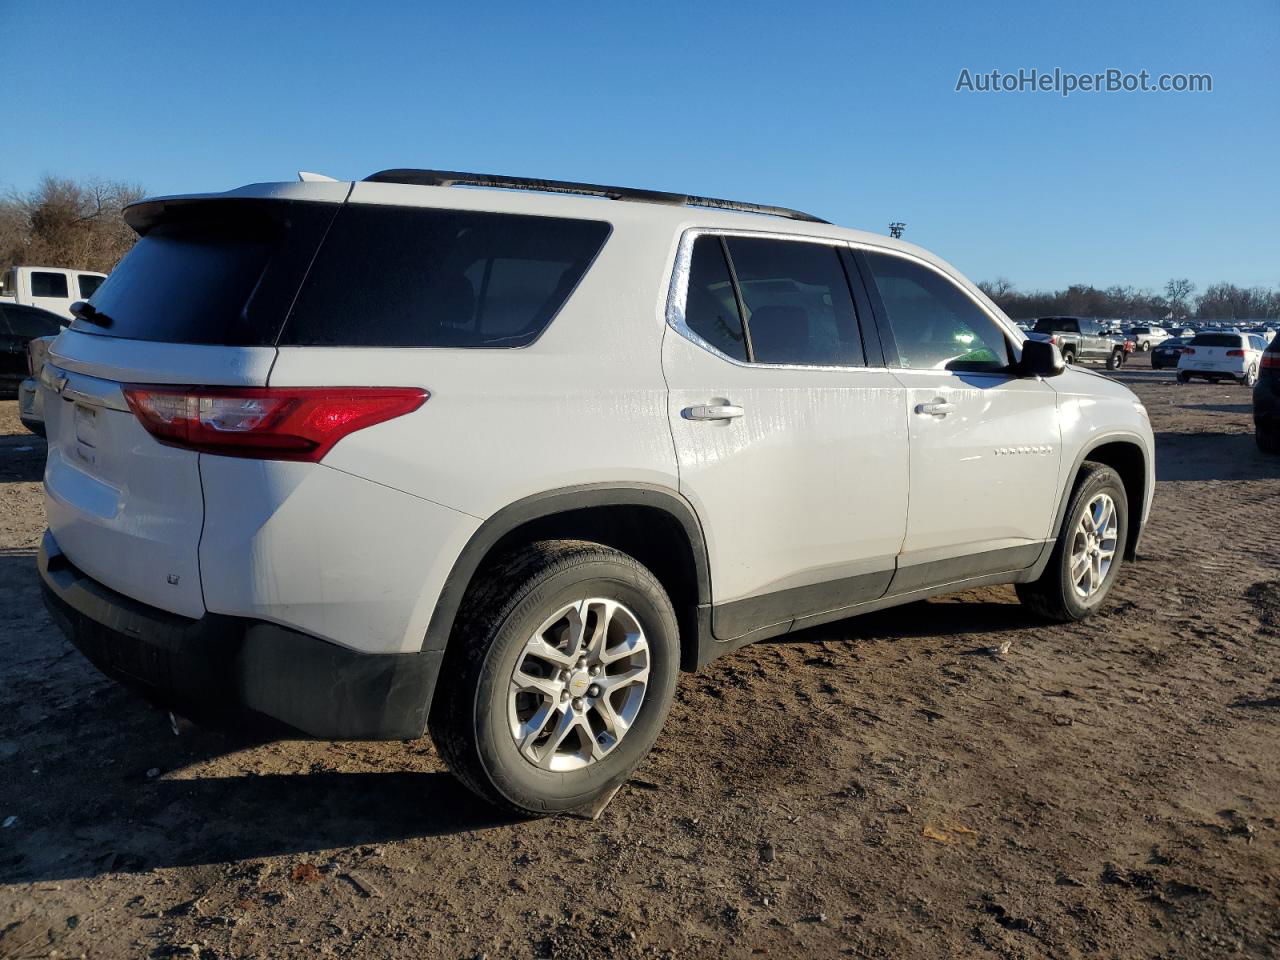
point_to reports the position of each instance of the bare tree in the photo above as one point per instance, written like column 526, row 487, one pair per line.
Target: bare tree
column 1176, row 293
column 65, row 223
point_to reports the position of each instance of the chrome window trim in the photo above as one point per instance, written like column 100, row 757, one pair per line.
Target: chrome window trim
column 678, row 295
column 678, row 292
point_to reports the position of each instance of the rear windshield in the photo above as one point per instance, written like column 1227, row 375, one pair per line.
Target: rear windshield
column 228, row 272
column 1055, row 324
column 212, row 272
column 1216, row 340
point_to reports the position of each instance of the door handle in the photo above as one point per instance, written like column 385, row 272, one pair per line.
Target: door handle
column 936, row 408
column 713, row 411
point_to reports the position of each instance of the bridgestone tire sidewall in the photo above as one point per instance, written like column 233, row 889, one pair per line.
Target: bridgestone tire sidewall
column 511, row 774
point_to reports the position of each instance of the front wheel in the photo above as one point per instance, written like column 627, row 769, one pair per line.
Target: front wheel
column 1184, row 377
column 559, row 676
column 1115, row 359
column 1089, row 551
column 1146, row 346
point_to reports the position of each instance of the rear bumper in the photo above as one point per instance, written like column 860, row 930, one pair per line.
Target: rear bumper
column 30, row 409
column 237, row 672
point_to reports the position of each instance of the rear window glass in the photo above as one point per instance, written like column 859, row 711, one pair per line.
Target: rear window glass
column 49, row 285
column 20, row 321
column 212, row 272
column 1216, row 340
column 1057, row 324
column 412, row 277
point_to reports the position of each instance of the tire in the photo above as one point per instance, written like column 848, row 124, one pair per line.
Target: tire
column 1268, row 438
column 1114, row 359
column 508, row 604
column 1145, row 346
column 1068, row 356
column 1054, row 595
column 1184, row 377
column 1250, row 377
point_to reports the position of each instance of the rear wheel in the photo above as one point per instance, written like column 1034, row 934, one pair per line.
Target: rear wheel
column 1250, row 376
column 560, row 674
column 1184, row 377
column 1068, row 356
column 1089, row 552
column 1146, row 345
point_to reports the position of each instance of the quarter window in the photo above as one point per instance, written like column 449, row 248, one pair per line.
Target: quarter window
column 799, row 309
column 711, row 307
column 935, row 324
column 49, row 285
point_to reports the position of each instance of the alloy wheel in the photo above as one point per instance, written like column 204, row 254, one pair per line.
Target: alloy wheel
column 1093, row 546
column 578, row 685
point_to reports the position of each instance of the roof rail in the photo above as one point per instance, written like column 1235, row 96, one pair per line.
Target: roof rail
column 450, row 178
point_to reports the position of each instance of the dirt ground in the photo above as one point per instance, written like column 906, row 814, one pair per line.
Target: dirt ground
column 890, row 786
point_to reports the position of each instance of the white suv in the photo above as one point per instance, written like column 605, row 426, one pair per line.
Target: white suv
column 363, row 460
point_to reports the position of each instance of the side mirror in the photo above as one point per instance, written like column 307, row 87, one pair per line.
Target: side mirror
column 1040, row 359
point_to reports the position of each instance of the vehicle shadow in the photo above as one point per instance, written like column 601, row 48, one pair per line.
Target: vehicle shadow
column 94, row 781
column 1212, row 456
column 1218, row 407
column 955, row 615
column 22, row 458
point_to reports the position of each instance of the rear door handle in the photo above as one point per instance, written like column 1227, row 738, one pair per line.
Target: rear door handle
column 936, row 408
column 714, row 411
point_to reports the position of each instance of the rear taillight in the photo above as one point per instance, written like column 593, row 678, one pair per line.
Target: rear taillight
column 1271, row 361
column 1235, row 353
column 266, row 423
column 1188, row 350
column 1053, row 339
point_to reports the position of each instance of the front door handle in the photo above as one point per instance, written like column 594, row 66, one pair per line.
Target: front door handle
column 937, row 408
column 714, row 411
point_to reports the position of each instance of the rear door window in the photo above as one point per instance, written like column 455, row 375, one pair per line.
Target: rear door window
column 88, row 285
column 414, row 277
column 44, row 284
column 798, row 304
column 935, row 324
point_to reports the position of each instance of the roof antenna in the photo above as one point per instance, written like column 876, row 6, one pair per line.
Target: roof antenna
column 307, row 176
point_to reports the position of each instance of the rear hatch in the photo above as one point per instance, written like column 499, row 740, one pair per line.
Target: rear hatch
column 1213, row 351
column 200, row 300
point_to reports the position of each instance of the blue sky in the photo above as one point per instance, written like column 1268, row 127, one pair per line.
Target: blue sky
column 845, row 109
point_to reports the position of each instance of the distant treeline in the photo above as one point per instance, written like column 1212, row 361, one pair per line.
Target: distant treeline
column 1219, row 301
column 65, row 223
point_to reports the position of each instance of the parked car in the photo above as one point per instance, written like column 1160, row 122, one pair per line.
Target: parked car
column 1266, row 400
column 1147, row 337
column 49, row 288
column 446, row 468
column 1166, row 355
column 1079, row 339
column 1266, row 333
column 18, row 326
column 1221, row 356
column 30, row 397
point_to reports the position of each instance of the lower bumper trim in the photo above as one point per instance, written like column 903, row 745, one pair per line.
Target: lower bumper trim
column 235, row 672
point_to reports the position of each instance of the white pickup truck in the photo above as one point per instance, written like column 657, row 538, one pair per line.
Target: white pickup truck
column 49, row 288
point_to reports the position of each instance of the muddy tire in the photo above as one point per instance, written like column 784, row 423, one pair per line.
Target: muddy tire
column 558, row 677
column 1089, row 551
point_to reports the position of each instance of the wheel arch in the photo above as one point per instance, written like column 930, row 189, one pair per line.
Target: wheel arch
column 654, row 524
column 1127, row 456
